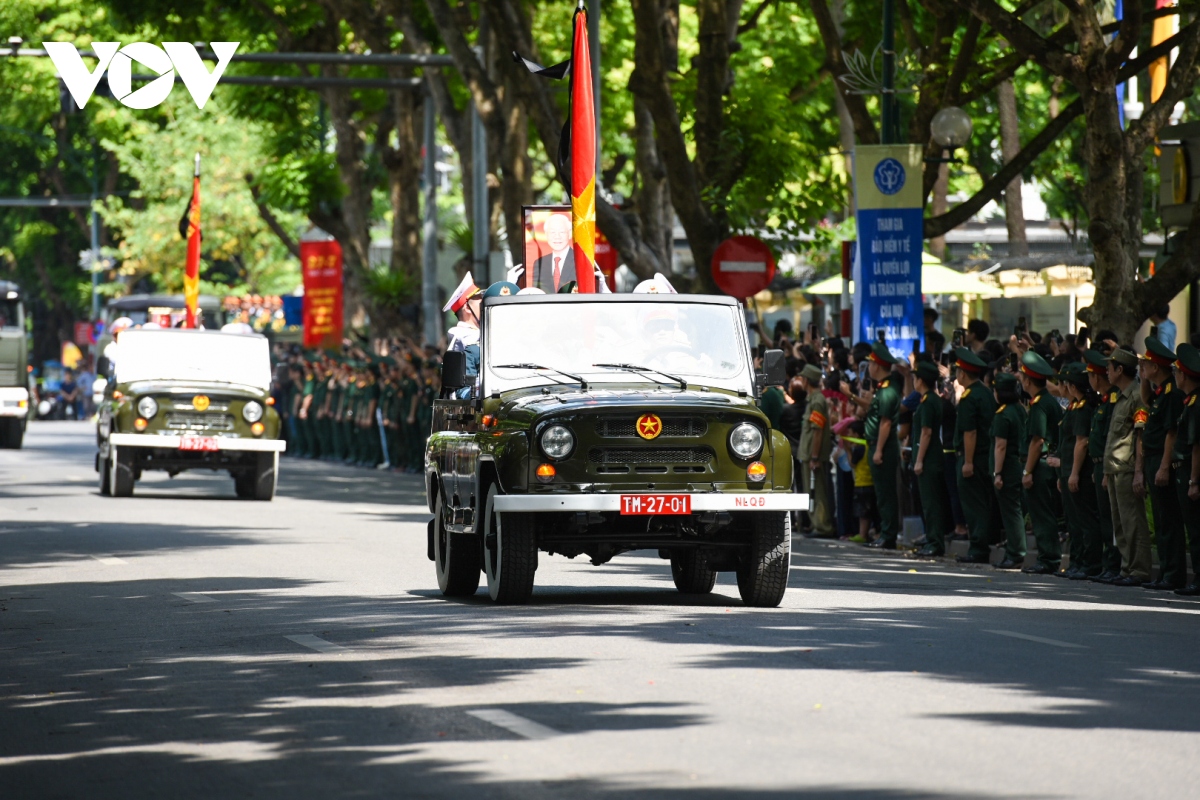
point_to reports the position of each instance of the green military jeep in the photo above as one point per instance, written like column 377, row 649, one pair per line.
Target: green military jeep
column 188, row 399
column 600, row 424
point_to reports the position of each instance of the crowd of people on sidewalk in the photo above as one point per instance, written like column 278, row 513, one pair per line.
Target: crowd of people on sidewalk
column 369, row 405
column 1094, row 450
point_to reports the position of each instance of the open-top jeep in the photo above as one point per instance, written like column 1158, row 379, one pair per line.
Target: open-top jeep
column 189, row 399
column 600, row 424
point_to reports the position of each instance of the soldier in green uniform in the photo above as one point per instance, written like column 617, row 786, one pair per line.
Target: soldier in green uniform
column 387, row 411
column 427, row 393
column 373, row 447
column 883, row 446
column 929, row 461
column 973, row 442
column 1153, row 474
column 1186, row 457
column 410, row 398
column 1060, row 463
column 1008, row 431
column 320, row 407
column 337, row 396
column 1102, row 540
column 813, row 451
column 1038, row 478
column 1129, row 518
column 1076, row 481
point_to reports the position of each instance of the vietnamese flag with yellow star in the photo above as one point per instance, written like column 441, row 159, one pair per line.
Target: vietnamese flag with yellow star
column 189, row 228
column 583, row 156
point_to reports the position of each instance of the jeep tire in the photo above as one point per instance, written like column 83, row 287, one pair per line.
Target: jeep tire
column 12, row 431
column 509, row 553
column 691, row 573
column 763, row 574
column 121, row 480
column 263, row 476
column 455, row 557
column 105, row 475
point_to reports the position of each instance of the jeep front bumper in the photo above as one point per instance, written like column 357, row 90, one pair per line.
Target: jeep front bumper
column 173, row 442
column 14, row 401
column 708, row 501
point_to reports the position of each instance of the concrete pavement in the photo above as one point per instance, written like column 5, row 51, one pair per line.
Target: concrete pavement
column 182, row 643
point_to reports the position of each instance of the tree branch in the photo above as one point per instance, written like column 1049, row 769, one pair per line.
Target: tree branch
column 994, row 187
column 1024, row 39
column 1180, row 81
column 864, row 124
column 1179, row 270
column 268, row 216
column 752, row 23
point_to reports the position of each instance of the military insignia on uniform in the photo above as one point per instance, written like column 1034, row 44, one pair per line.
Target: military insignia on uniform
column 1167, row 388
column 817, row 418
column 1001, row 408
column 1140, row 416
column 966, row 394
column 1191, row 399
column 1112, row 398
column 649, row 426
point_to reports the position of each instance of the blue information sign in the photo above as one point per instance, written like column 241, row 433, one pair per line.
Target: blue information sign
column 887, row 267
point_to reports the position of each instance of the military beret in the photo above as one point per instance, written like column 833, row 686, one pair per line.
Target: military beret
column 965, row 358
column 1005, row 381
column 501, row 289
column 927, row 371
column 1158, row 353
column 1126, row 358
column 812, row 374
column 1188, row 360
column 881, row 355
column 1096, row 361
column 1036, row 367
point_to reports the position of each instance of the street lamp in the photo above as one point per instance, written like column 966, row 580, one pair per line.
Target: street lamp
column 951, row 129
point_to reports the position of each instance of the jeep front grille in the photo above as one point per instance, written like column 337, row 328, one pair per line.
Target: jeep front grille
column 199, row 422
column 8, row 377
column 650, row 455
column 626, row 427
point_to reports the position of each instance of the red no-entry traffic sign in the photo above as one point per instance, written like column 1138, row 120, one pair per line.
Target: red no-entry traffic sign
column 743, row 266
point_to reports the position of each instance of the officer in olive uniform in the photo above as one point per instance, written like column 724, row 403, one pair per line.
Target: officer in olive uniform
column 1186, row 458
column 1129, row 521
column 388, row 411
column 1153, row 474
column 813, row 452
column 1076, row 474
column 883, row 445
column 1006, row 462
column 929, row 460
column 973, row 443
column 1038, row 478
column 1103, row 539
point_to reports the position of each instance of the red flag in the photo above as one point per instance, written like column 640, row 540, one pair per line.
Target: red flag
column 583, row 156
column 191, row 274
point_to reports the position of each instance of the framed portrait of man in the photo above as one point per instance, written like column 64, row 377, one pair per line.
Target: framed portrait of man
column 549, row 248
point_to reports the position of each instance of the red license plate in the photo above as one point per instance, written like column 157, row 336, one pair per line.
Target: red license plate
column 203, row 443
column 646, row 504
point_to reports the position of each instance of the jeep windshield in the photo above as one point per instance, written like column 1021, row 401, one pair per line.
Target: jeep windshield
column 702, row 343
column 191, row 356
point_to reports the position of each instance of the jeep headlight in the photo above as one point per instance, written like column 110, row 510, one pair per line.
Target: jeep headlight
column 147, row 407
column 557, row 442
column 746, row 440
column 252, row 411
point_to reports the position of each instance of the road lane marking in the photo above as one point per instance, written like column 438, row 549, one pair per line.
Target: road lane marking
column 111, row 561
column 194, row 597
column 1038, row 639
column 316, row 643
column 511, row 722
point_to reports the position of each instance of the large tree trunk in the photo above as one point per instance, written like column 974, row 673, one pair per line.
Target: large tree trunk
column 1010, row 148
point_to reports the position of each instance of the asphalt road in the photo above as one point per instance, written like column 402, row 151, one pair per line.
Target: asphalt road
column 182, row 643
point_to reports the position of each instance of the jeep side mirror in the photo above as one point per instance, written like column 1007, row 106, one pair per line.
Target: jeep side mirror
column 454, row 369
column 774, row 369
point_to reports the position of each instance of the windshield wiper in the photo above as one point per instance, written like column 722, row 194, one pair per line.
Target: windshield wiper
column 643, row 370
column 582, row 383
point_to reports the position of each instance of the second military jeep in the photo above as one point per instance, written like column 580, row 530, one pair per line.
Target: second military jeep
column 601, row 424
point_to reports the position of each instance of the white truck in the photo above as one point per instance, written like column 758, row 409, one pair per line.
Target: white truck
column 14, row 372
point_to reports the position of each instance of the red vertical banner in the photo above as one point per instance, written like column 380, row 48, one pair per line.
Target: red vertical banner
column 321, row 264
column 583, row 156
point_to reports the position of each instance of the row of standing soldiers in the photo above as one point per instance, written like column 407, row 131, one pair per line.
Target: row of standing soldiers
column 1086, row 444
column 374, row 411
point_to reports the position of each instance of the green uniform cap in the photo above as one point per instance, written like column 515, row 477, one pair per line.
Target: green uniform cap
column 965, row 358
column 1188, row 359
column 812, row 374
column 1035, row 366
column 1075, row 373
column 881, row 355
column 927, row 371
column 1006, row 381
column 1158, row 352
column 1096, row 359
column 501, row 289
column 1126, row 358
